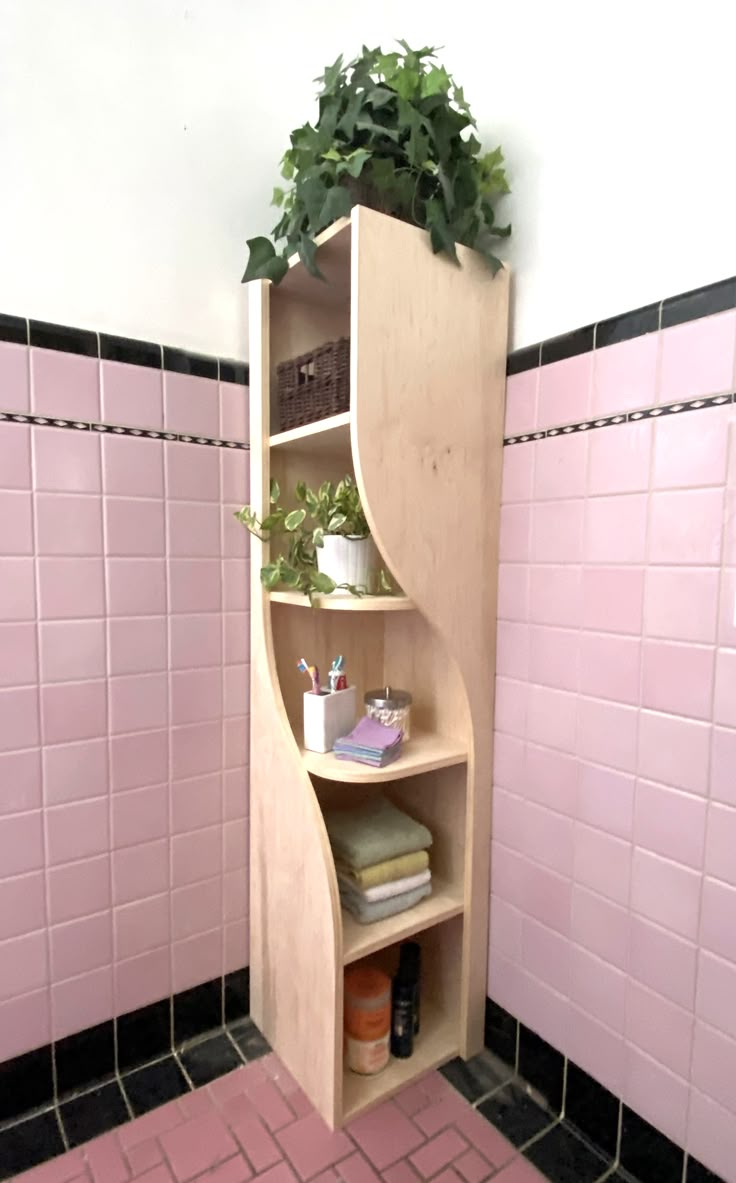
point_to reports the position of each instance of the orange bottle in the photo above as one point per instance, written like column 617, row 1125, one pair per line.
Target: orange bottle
column 367, row 1019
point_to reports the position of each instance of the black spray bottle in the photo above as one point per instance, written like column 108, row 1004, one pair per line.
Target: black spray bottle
column 410, row 965
column 405, row 1001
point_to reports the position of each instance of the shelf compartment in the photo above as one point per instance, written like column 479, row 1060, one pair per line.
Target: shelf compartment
column 335, row 603
column 423, row 753
column 323, row 438
column 358, row 940
column 437, row 1043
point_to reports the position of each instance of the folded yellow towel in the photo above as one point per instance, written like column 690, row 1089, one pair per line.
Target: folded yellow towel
column 392, row 868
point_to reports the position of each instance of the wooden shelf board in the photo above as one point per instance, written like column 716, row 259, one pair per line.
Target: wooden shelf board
column 422, row 753
column 436, row 1044
column 325, row 437
column 359, row 940
column 335, row 603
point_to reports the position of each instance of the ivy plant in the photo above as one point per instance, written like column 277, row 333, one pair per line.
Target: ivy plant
column 331, row 509
column 394, row 131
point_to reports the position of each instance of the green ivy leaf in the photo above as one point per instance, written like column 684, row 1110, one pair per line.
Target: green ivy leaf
column 307, row 253
column 278, row 196
column 331, row 154
column 336, row 205
column 354, row 163
column 263, row 262
column 322, row 583
column 301, row 491
column 293, row 520
column 377, row 130
column 435, row 81
column 318, row 536
column 274, row 491
column 270, row 575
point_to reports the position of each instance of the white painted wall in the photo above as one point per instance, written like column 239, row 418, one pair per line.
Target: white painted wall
column 139, row 142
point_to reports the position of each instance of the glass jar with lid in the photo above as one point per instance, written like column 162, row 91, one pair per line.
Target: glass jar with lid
column 389, row 706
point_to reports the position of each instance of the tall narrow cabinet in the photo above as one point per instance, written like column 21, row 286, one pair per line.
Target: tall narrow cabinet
column 423, row 438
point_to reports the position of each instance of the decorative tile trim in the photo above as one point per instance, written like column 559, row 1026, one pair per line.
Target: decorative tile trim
column 655, row 412
column 115, row 429
column 106, row 347
column 673, row 310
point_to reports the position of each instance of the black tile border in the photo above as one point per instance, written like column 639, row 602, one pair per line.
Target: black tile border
column 26, row 1083
column 43, row 334
column 672, row 310
column 86, row 1056
column 147, row 433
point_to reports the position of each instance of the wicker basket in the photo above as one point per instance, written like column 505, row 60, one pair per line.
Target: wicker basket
column 315, row 385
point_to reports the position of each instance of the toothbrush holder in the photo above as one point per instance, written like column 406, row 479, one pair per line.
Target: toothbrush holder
column 327, row 717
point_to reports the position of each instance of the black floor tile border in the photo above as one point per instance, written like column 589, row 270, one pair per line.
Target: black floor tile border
column 592, row 1129
column 146, row 433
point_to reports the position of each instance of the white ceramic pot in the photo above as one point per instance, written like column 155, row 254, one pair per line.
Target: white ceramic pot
column 348, row 560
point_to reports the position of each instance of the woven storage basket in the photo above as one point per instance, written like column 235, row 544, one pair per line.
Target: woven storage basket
column 315, row 385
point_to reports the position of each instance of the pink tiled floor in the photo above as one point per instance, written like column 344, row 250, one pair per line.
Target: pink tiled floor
column 256, row 1124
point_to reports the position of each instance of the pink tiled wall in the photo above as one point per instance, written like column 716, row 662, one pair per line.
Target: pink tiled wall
column 613, row 927
column 123, row 694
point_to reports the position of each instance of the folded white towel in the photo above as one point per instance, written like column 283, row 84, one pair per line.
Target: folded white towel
column 386, row 891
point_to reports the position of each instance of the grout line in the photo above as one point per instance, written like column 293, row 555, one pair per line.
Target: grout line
column 518, row 1047
column 62, row 1130
column 619, row 1132
column 128, row 1105
column 564, row 1089
column 185, row 1074
column 237, row 1046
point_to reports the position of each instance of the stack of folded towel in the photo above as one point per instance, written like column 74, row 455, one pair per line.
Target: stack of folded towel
column 381, row 859
column 370, row 743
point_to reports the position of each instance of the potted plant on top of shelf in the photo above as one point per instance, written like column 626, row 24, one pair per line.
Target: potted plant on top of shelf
column 394, row 132
column 335, row 553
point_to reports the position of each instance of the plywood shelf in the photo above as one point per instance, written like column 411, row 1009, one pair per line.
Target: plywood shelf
column 335, row 603
column 360, row 940
column 422, row 753
column 325, row 437
column 437, row 1043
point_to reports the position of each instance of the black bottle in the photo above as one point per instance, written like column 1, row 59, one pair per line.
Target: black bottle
column 402, row 1016
column 410, row 966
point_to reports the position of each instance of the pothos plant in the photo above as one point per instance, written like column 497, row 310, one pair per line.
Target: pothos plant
column 332, row 509
column 395, row 132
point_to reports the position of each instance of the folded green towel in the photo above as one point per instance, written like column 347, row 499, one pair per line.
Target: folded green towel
column 383, row 891
column 393, row 868
column 373, row 832
column 367, row 913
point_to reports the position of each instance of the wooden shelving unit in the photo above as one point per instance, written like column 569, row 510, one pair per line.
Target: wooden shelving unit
column 423, row 439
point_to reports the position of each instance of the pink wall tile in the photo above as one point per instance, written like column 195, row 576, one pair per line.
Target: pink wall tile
column 505, row 920
column 609, row 667
column 607, row 733
column 78, row 830
column 194, row 529
column 139, row 872
column 196, row 750
column 25, row 965
column 711, row 1133
column 687, row 453
column 236, row 948
column 22, row 904
column 77, row 889
column 68, row 525
column 81, row 1002
column 724, row 704
column 136, row 587
column 196, row 803
column 620, row 459
column 615, row 529
column 606, row 800
column 134, row 526
column 191, row 405
column 195, row 909
column 235, row 845
column 196, row 856
column 612, row 598
column 138, row 760
column 25, row 1023
column 551, row 778
column 65, row 384
column 718, row 919
column 600, row 926
column 511, row 707
column 198, row 959
column 659, row 1027
column 141, row 926
column 233, row 411
column 192, row 474
column 716, row 992
column 18, row 719
column 666, row 893
column 555, row 595
column 508, row 762
column 140, row 815
column 553, row 658
column 73, row 468
column 551, row 717
column 543, row 1009
column 74, row 771
column 677, row 679
column 17, row 533
column 138, row 702
column 598, row 988
column 685, row 527
column 546, row 955
column 131, row 395
column 720, row 849
column 670, row 823
column 235, row 585
column 141, row 980
column 20, row 776
column 560, row 467
column 557, row 532
column 196, row 640
column 513, row 591
column 512, row 645
column 21, row 843
column 15, row 456
column 18, row 648
column 132, row 467
column 602, row 863
column 235, row 792
column 508, row 874
column 235, row 477
column 547, row 838
column 521, row 402
column 697, row 358
column 727, row 613
column 14, row 377
column 548, row 897
column 663, row 961
column 235, row 539
column 625, row 375
column 518, row 473
column 195, row 585
column 514, row 536
column 70, row 588
column 236, row 690
column 674, row 751
column 681, row 603
column 72, row 650
column 196, row 696
column 596, row 1049
column 81, row 945
column 73, row 710
column 660, row 1096
column 714, row 1065
column 137, row 645
column 564, row 391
